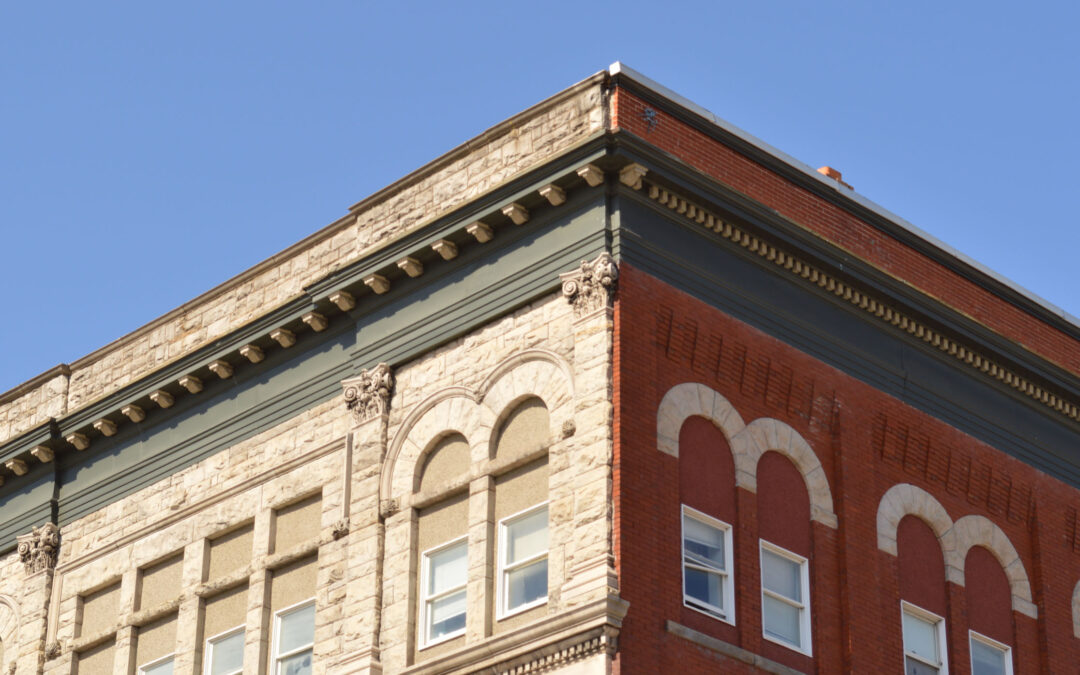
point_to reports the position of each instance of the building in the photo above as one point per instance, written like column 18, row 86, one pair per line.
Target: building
column 612, row 387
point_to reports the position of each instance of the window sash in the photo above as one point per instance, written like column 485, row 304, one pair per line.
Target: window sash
column 428, row 600
column 211, row 647
column 1002, row 650
column 279, row 616
column 937, row 624
column 507, row 566
column 801, row 605
column 692, row 519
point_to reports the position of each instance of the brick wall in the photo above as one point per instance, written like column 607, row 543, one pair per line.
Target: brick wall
column 866, row 442
column 843, row 229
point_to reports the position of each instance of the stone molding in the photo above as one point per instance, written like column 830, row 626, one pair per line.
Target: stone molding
column 574, row 634
column 905, row 499
column 591, row 286
column 476, row 414
column 956, row 539
column 814, row 274
column 748, row 442
column 368, row 394
column 38, row 550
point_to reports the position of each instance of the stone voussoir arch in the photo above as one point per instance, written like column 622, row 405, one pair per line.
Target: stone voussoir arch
column 905, row 499
column 687, row 400
column 975, row 530
column 449, row 410
column 532, row 373
column 766, row 434
column 748, row 441
column 474, row 414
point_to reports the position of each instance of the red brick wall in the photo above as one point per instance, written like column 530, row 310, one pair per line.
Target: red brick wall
column 843, row 229
column 866, row 442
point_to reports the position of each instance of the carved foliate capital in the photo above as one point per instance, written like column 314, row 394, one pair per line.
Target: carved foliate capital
column 368, row 394
column 38, row 550
column 592, row 285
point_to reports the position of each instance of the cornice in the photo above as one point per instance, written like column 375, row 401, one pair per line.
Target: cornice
column 868, row 302
column 870, row 213
column 326, row 307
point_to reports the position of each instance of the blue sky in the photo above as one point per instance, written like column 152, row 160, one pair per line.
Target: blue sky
column 150, row 151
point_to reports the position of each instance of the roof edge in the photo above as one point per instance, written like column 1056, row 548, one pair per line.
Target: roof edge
column 622, row 70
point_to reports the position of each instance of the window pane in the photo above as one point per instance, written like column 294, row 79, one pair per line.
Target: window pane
column 297, row 664
column 527, row 536
column 986, row 659
column 781, row 620
column 527, row 584
column 163, row 668
column 297, row 629
column 913, row 667
column 227, row 654
column 703, row 544
column 921, row 638
column 446, row 615
column 448, row 569
column 780, row 575
column 704, row 586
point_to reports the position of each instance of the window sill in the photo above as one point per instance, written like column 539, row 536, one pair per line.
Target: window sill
column 567, row 631
column 729, row 650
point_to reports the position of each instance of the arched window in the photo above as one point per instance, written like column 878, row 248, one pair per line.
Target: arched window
column 921, row 568
column 785, row 549
column 707, row 493
column 989, row 609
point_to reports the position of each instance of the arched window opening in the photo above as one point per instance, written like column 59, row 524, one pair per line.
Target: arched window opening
column 448, row 462
column 526, row 429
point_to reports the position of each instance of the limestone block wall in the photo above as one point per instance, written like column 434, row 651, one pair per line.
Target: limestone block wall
column 469, row 387
column 33, row 403
column 501, row 153
column 179, row 517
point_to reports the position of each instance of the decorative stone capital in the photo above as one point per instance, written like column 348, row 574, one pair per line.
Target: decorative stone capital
column 38, row 550
column 591, row 287
column 368, row 394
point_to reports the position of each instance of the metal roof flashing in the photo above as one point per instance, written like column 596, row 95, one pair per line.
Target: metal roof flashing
column 623, row 70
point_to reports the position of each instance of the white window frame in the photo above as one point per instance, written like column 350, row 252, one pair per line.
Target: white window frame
column 806, row 646
column 425, row 600
column 275, row 657
column 156, row 662
column 208, row 651
column 989, row 642
column 727, row 612
column 939, row 626
column 504, row 569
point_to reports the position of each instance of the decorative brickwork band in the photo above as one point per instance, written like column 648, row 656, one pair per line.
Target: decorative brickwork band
column 592, row 286
column 38, row 550
column 864, row 301
column 368, row 394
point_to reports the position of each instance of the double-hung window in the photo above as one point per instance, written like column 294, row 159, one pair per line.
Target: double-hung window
column 160, row 667
column 989, row 657
column 225, row 653
column 924, row 642
column 785, row 597
column 707, row 565
column 294, row 638
column 444, row 576
column 523, row 561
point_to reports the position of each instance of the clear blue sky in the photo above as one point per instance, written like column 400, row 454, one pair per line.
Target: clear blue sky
column 150, row 151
